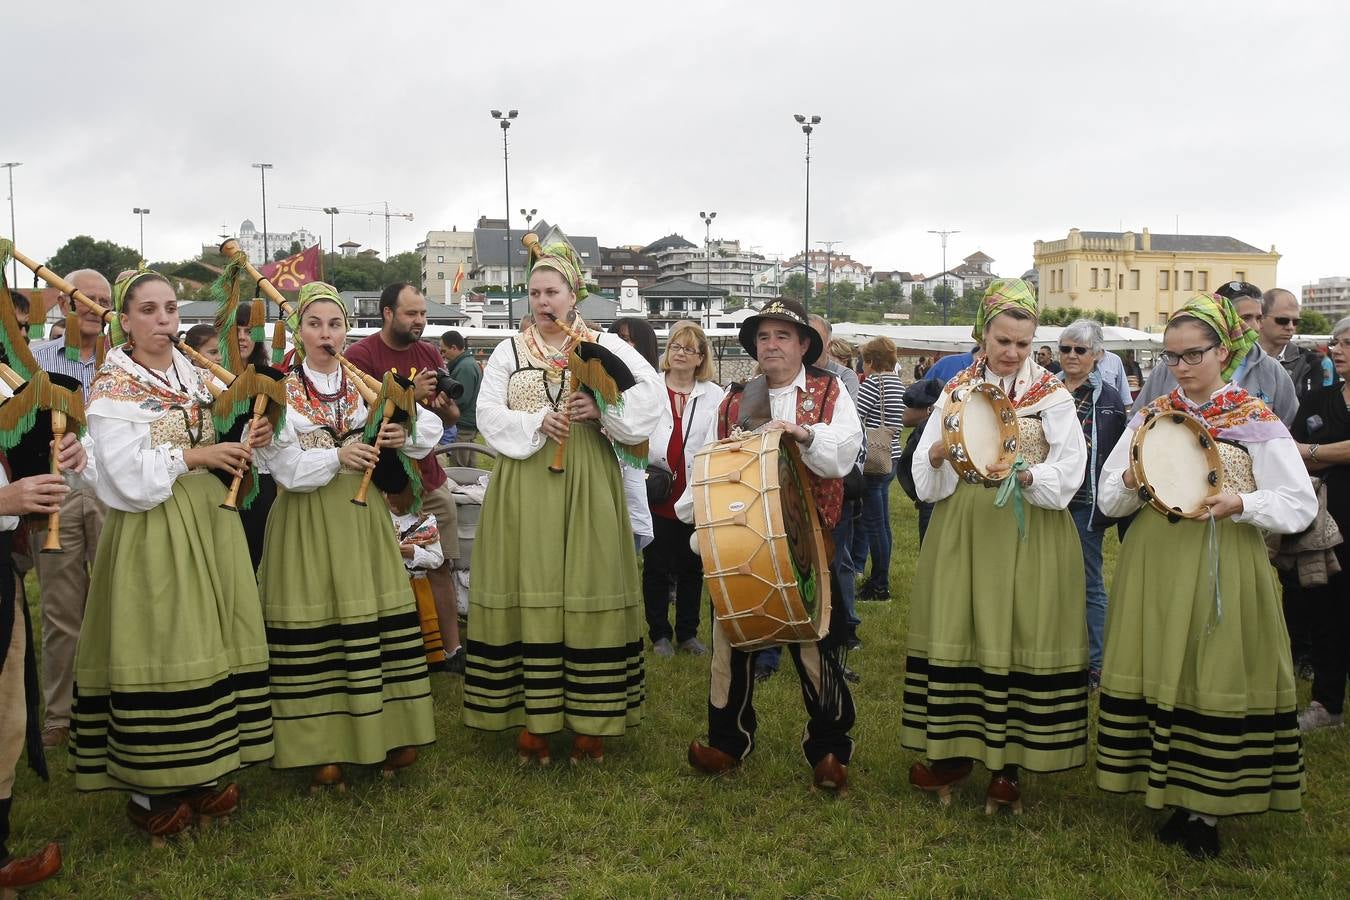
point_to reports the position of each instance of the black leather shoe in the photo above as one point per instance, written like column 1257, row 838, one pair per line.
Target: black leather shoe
column 1202, row 840
column 1174, row 831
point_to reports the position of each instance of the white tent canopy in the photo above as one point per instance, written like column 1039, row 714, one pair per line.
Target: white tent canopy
column 956, row 338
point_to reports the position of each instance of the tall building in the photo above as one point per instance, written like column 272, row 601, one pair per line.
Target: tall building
column 442, row 254
column 726, row 266
column 1144, row 278
column 251, row 240
column 1330, row 297
column 833, row 268
column 618, row 264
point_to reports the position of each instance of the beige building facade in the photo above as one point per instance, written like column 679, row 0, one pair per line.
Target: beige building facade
column 441, row 253
column 1143, row 277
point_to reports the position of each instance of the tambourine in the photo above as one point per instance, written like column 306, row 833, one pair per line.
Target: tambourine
column 979, row 427
column 1177, row 464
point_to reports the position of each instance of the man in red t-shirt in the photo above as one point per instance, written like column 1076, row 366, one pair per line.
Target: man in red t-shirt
column 399, row 348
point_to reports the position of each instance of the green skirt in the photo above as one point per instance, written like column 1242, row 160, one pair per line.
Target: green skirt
column 996, row 666
column 555, row 602
column 349, row 674
column 1198, row 706
column 171, row 671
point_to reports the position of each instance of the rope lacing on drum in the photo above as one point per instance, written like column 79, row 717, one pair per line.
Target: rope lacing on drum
column 1011, row 488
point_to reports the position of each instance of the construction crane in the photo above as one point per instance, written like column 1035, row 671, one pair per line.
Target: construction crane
column 332, row 211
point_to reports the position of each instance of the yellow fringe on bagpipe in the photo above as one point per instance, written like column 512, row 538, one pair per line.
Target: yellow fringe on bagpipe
column 404, row 398
column 19, row 413
column 237, row 399
column 592, row 374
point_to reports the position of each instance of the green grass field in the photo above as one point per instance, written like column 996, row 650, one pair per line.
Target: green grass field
column 465, row 821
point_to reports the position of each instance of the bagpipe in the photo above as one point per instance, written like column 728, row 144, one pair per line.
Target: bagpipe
column 590, row 366
column 393, row 397
column 44, row 405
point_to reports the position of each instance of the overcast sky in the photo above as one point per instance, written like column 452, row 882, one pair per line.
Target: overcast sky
column 1008, row 121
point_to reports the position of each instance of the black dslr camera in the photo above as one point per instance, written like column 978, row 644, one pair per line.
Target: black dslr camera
column 448, row 386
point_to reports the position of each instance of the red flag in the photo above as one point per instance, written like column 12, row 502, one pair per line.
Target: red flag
column 293, row 271
column 459, row 279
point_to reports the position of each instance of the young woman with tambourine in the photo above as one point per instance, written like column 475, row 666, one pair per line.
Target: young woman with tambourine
column 1198, row 705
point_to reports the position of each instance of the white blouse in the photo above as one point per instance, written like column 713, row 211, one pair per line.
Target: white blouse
column 1053, row 482
column 298, row 469
column 699, row 422
column 136, row 477
column 1283, row 502
column 515, row 433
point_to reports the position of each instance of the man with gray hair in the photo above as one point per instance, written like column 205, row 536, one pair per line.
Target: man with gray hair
column 1279, row 320
column 64, row 576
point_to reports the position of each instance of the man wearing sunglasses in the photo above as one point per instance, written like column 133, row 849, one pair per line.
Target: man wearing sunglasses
column 1279, row 321
column 1260, row 375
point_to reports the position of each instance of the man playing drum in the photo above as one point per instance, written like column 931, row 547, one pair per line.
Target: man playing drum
column 809, row 406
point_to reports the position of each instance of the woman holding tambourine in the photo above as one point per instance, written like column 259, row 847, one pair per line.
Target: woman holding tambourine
column 1198, row 699
column 996, row 669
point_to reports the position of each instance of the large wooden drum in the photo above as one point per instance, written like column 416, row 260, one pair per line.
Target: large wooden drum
column 1177, row 464
column 761, row 541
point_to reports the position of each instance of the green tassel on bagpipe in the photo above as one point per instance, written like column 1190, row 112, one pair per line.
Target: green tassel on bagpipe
column 278, row 342
column 36, row 331
column 405, row 398
column 226, row 292
column 257, row 320
column 19, row 413
column 254, row 487
column 237, row 400
column 414, row 480
column 72, row 345
column 17, row 354
column 634, row 455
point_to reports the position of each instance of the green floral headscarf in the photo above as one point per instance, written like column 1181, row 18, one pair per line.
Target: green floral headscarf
column 561, row 258
column 1218, row 313
column 313, row 292
column 1001, row 296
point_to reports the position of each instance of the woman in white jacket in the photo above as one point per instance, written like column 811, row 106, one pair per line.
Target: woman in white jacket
column 688, row 423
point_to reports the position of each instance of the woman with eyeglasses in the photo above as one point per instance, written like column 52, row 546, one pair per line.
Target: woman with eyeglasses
column 1101, row 412
column 688, row 422
column 1322, row 429
column 1197, row 697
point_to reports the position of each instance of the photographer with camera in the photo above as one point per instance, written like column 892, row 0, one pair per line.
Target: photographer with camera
column 463, row 368
column 398, row 347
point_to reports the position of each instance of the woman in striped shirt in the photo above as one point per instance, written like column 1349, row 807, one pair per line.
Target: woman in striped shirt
column 880, row 402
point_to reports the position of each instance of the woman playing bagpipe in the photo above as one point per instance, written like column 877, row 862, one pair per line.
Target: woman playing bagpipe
column 555, row 603
column 171, row 673
column 349, row 676
column 1198, row 698
column 253, row 352
column 997, row 654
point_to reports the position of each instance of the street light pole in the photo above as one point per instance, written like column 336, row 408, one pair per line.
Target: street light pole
column 331, row 212
column 142, row 213
column 14, row 276
column 808, row 124
column 529, row 216
column 505, row 121
column 829, row 277
column 262, row 170
column 707, row 268
column 947, row 294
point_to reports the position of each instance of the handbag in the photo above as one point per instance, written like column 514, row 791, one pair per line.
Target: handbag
column 879, row 439
column 660, row 480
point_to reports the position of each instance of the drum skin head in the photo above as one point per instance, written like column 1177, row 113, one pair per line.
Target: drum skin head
column 979, row 426
column 1177, row 464
column 761, row 541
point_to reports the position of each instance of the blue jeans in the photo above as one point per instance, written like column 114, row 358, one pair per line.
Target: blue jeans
column 876, row 524
column 1096, row 591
